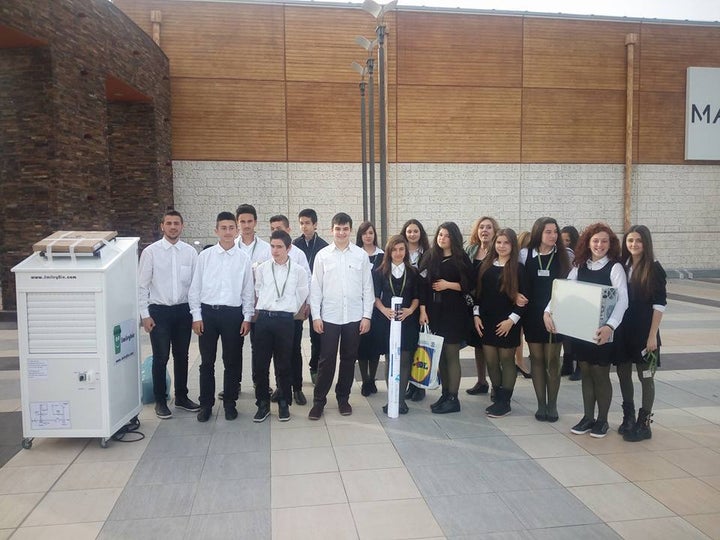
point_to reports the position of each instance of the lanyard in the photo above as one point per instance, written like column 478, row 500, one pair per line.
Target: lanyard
column 392, row 287
column 279, row 292
column 547, row 267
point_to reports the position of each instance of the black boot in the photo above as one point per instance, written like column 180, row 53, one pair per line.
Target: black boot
column 628, row 418
column 443, row 399
column 641, row 429
column 450, row 405
column 419, row 394
column 493, row 397
column 502, row 404
column 567, row 365
column 410, row 391
column 576, row 375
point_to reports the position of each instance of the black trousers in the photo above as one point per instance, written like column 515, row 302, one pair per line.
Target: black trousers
column 315, row 340
column 273, row 340
column 347, row 336
column 296, row 365
column 173, row 328
column 220, row 322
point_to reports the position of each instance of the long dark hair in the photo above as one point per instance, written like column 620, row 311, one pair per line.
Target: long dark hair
column 386, row 267
column 573, row 233
column 560, row 249
column 583, row 253
column 362, row 229
column 424, row 243
column 509, row 277
column 643, row 271
column 434, row 256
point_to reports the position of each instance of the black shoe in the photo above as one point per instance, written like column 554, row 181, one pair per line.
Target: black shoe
column 283, row 411
column 450, row 405
column 299, row 397
column 628, row 421
column 410, row 392
column 187, row 404
column 402, row 408
column 161, row 410
column 263, row 412
column 599, row 430
column 365, row 389
column 583, row 426
column 316, row 411
column 344, row 408
column 204, row 414
column 373, row 387
column 541, row 417
column 479, row 388
column 275, row 396
column 231, row 413
column 440, row 401
column 552, row 414
column 419, row 394
column 576, row 376
column 499, row 409
column 522, row 372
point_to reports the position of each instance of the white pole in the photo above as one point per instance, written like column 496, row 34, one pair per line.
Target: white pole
column 394, row 360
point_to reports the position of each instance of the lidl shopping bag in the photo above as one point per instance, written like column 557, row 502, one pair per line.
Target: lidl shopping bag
column 424, row 370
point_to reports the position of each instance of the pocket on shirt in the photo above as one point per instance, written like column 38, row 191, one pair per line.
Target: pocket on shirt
column 185, row 275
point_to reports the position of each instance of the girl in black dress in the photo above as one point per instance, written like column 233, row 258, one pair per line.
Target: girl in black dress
column 446, row 272
column 647, row 300
column 570, row 237
column 499, row 281
column 596, row 261
column 545, row 259
column 368, row 353
column 397, row 277
column 481, row 237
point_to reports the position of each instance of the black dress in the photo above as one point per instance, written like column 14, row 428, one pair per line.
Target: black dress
column 539, row 291
column 368, row 345
column 639, row 314
column 385, row 289
column 495, row 307
column 448, row 310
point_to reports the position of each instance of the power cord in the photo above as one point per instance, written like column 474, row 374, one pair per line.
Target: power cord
column 131, row 428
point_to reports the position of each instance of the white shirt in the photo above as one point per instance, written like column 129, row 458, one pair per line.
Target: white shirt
column 258, row 251
column 342, row 288
column 164, row 274
column 281, row 287
column 298, row 257
column 222, row 278
column 397, row 270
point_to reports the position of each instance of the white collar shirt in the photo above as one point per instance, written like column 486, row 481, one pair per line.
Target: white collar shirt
column 222, row 277
column 280, row 287
column 164, row 274
column 258, row 251
column 298, row 256
column 342, row 288
column 398, row 270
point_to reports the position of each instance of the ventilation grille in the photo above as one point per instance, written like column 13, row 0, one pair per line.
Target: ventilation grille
column 62, row 323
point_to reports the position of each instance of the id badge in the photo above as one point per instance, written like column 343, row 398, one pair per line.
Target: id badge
column 543, row 273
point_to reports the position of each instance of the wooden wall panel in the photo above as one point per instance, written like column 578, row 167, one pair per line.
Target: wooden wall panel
column 459, row 50
column 662, row 127
column 573, row 126
column 575, row 54
column 668, row 50
column 228, row 120
column 458, row 125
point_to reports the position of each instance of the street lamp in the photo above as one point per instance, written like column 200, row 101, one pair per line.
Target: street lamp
column 378, row 11
column 369, row 46
column 362, row 70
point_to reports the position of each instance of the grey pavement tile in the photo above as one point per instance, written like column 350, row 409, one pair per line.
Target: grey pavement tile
column 236, row 466
column 9, row 388
column 137, row 502
column 548, row 508
column 180, row 446
column 517, row 475
column 251, row 525
column 9, row 363
column 232, row 496
column 677, row 397
column 443, row 479
column 490, row 449
column 704, row 389
column 229, row 442
column 459, row 428
column 167, row 470
column 8, row 452
column 597, row 531
column 482, row 513
column 413, row 427
column 178, row 426
column 429, row 452
column 502, row 535
column 170, row 528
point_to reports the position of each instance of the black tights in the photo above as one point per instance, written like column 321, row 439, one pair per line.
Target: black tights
column 368, row 368
column 647, row 384
column 449, row 368
column 501, row 366
column 545, row 370
column 596, row 388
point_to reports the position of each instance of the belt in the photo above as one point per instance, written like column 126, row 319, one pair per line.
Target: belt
column 219, row 307
column 276, row 314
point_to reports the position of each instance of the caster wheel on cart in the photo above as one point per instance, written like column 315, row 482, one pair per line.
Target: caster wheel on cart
column 27, row 443
column 104, row 443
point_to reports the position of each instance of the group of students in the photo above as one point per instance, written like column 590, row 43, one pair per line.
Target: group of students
column 493, row 290
column 484, row 295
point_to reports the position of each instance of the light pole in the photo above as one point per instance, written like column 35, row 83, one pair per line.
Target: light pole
column 369, row 46
column 378, row 11
column 362, row 71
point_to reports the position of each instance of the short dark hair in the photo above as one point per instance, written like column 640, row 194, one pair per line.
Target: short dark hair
column 171, row 212
column 341, row 218
column 246, row 209
column 281, row 235
column 281, row 217
column 308, row 213
column 224, row 216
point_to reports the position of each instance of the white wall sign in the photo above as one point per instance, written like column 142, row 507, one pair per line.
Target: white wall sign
column 702, row 113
